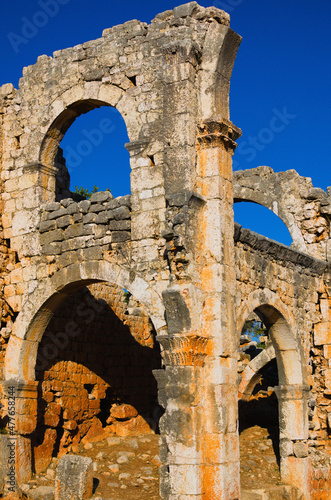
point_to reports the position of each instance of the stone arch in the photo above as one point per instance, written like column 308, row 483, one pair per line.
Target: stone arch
column 261, row 220
column 263, row 187
column 40, row 169
column 78, row 100
column 217, row 60
column 263, row 296
column 292, row 392
column 31, row 324
column 250, row 376
column 41, row 304
column 281, row 325
column 263, row 198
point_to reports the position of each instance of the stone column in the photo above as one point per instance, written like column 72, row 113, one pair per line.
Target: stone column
column 216, row 268
column 180, row 62
column 293, row 434
column 179, row 389
column 198, row 388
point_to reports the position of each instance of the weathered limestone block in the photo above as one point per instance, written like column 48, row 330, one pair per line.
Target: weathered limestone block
column 57, row 213
column 95, row 431
column 119, row 237
column 101, row 218
column 123, row 411
column 300, row 449
column 121, row 213
column 101, row 196
column 42, row 493
column 132, row 427
column 120, row 225
column 97, row 207
column 322, row 334
column 74, row 480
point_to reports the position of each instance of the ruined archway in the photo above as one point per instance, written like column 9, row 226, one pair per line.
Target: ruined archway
column 173, row 237
column 94, row 153
column 292, row 390
column 277, row 191
column 65, row 110
column 259, row 219
column 95, row 378
column 45, row 167
column 80, row 99
column 37, row 312
column 32, row 322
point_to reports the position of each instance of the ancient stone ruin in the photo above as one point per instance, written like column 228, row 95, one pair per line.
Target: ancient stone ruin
column 125, row 315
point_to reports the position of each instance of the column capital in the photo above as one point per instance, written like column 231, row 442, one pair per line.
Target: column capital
column 217, row 130
column 183, row 350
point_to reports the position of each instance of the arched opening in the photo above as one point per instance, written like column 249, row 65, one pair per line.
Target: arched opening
column 92, row 149
column 94, row 152
column 75, row 286
column 97, row 395
column 273, row 417
column 258, row 406
column 261, row 220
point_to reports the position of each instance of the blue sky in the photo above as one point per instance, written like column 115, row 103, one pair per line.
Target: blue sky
column 283, row 63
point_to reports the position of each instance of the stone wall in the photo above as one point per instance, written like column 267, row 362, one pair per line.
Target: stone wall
column 302, row 285
column 84, row 229
column 321, row 484
column 170, row 244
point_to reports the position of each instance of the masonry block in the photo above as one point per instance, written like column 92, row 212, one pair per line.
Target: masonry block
column 74, row 480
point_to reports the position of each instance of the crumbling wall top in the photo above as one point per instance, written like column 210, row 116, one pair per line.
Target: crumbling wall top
column 188, row 15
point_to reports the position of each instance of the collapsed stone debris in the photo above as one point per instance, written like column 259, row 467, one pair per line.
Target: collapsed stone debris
column 123, row 316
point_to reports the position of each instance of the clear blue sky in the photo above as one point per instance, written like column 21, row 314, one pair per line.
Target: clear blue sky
column 283, row 62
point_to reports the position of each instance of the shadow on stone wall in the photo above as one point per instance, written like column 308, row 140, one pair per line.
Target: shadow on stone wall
column 97, row 380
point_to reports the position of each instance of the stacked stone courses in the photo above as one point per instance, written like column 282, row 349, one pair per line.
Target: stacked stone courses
column 176, row 278
column 87, row 227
